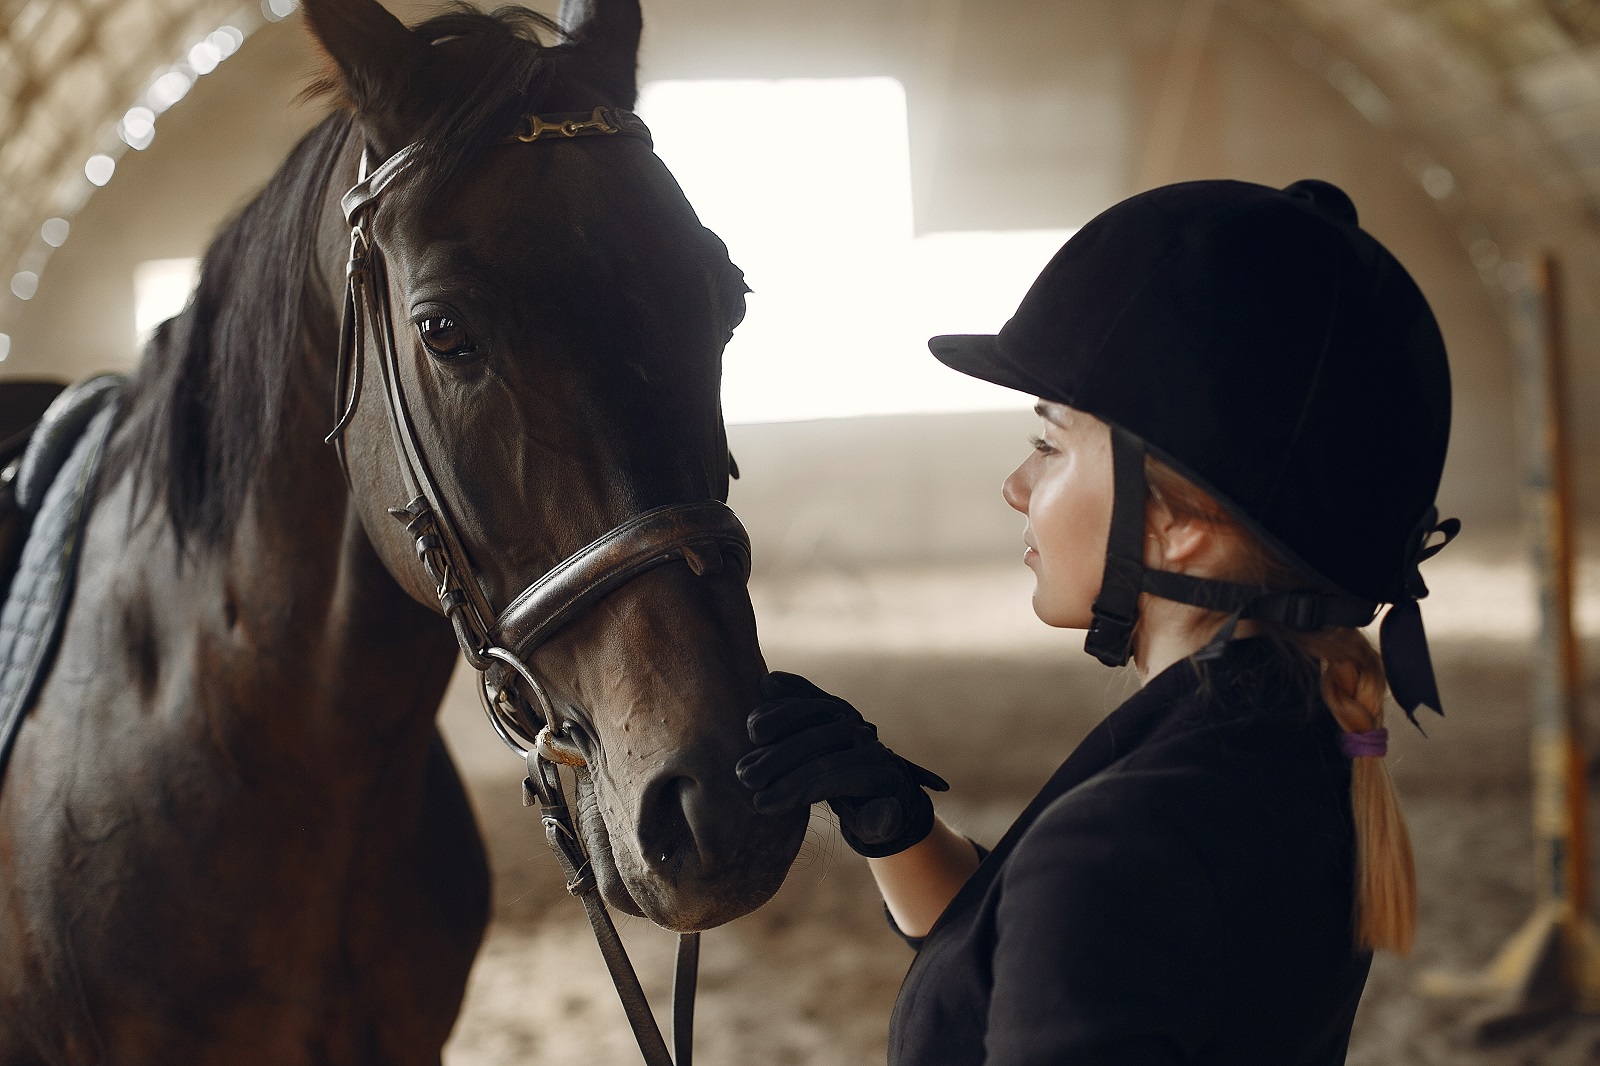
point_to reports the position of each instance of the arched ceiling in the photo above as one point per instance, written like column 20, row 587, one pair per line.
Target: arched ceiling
column 1504, row 95
column 1497, row 101
column 69, row 71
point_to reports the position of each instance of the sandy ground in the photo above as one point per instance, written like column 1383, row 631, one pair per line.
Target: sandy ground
column 957, row 676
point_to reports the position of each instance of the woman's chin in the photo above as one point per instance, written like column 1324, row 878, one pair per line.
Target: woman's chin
column 1043, row 608
column 1052, row 613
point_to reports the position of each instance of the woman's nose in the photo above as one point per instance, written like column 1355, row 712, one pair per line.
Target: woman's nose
column 1016, row 489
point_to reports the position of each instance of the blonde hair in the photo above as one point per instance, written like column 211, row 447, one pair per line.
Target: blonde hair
column 1354, row 687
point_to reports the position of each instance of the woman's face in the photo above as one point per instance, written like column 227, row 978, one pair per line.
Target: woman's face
column 1065, row 488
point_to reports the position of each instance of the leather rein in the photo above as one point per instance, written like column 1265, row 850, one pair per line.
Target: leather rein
column 500, row 645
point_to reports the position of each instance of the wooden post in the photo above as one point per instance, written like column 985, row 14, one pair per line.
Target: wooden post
column 1560, row 781
column 1550, row 965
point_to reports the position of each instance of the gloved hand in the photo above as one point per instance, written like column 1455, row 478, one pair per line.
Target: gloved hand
column 812, row 747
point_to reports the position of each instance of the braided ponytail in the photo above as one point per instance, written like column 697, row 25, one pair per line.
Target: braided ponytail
column 1354, row 687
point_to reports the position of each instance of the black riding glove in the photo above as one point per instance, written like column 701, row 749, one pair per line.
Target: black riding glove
column 811, row 746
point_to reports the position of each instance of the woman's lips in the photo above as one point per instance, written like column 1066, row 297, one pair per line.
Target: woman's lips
column 1029, row 554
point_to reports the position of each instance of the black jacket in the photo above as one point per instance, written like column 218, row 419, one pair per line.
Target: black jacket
column 1180, row 892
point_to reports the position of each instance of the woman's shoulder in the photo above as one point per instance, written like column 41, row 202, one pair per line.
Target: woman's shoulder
column 1243, row 764
column 1251, row 728
column 1223, row 807
column 1218, row 776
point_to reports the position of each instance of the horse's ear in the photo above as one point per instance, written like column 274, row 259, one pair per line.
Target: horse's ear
column 605, row 33
column 373, row 58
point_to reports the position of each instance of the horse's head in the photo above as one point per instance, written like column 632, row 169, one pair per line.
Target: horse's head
column 559, row 316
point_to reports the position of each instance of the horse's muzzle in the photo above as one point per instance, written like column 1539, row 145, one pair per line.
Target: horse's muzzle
column 707, row 856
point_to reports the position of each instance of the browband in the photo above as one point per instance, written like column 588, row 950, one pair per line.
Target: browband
column 601, row 122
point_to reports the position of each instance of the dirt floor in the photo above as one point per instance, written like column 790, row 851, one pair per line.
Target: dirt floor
column 810, row 978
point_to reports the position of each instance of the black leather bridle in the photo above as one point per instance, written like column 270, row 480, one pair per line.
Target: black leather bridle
column 499, row 644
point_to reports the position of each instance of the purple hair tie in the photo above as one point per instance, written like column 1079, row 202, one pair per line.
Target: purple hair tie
column 1373, row 744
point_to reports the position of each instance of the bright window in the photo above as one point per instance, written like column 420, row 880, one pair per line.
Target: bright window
column 161, row 290
column 809, row 183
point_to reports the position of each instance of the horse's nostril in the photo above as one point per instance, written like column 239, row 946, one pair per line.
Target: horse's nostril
column 665, row 835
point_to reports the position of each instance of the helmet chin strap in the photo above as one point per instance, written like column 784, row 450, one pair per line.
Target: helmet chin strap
column 1116, row 608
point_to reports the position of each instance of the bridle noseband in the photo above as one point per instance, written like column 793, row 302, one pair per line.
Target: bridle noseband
column 703, row 533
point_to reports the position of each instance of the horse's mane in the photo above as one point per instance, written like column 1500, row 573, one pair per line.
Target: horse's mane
column 205, row 408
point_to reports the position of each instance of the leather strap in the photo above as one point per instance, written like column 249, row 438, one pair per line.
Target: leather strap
column 702, row 533
column 1116, row 607
column 1296, row 610
column 601, row 122
column 426, row 516
column 684, row 978
column 373, row 185
column 543, row 785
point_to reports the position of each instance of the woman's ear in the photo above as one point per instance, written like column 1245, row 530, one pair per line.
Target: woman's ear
column 1173, row 543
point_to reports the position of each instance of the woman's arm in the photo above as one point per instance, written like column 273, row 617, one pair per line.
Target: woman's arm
column 919, row 883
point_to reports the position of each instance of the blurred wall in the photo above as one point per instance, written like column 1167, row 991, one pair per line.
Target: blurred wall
column 1024, row 114
column 211, row 153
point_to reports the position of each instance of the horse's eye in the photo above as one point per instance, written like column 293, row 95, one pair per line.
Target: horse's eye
column 445, row 337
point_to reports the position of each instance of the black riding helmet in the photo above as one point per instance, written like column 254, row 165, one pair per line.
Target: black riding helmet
column 1267, row 348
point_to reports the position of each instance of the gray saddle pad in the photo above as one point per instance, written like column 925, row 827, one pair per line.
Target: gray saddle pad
column 56, row 482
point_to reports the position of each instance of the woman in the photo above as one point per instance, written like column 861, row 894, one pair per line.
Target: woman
column 1245, row 404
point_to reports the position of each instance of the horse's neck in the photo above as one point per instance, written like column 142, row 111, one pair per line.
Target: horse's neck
column 298, row 629
column 365, row 659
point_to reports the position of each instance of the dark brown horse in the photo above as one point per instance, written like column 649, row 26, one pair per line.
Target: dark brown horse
column 229, row 832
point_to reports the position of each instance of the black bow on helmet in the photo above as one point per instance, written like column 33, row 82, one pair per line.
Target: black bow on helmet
column 1404, row 642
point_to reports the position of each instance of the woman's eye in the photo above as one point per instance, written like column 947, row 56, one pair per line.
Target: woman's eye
column 444, row 337
column 1042, row 446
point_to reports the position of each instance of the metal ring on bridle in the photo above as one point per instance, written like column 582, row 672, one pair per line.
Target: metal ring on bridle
column 506, row 727
column 509, row 729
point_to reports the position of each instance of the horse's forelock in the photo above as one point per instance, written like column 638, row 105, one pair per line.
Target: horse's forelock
column 491, row 69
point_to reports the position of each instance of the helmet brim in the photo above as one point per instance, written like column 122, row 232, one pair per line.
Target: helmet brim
column 984, row 356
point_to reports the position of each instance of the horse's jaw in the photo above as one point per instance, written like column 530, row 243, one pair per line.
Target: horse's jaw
column 677, row 898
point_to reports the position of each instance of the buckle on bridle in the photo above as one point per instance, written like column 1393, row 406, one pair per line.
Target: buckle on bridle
column 598, row 122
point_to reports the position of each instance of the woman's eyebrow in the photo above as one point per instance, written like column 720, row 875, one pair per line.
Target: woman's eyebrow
column 1049, row 412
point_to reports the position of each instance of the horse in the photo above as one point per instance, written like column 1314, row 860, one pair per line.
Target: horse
column 229, row 830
